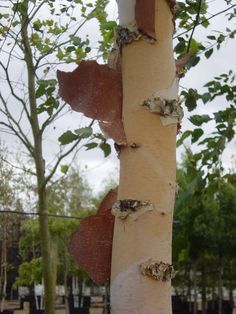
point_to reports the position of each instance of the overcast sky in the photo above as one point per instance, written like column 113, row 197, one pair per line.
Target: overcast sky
column 94, row 166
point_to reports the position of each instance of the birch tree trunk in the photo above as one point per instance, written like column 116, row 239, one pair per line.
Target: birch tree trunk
column 147, row 173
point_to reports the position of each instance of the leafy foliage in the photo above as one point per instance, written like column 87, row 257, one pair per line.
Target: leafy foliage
column 204, row 229
column 212, row 147
column 70, row 196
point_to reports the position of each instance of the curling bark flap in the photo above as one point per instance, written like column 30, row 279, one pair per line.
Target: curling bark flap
column 96, row 91
column 167, row 104
column 91, row 243
column 142, row 14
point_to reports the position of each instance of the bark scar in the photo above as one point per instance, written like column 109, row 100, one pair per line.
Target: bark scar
column 134, row 208
column 128, row 33
column 170, row 110
column 159, row 271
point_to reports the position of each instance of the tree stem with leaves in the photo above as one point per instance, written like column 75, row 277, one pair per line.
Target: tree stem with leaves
column 40, row 169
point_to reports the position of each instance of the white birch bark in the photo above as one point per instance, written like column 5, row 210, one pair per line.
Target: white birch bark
column 147, row 174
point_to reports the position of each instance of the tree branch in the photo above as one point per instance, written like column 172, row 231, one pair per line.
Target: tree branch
column 65, row 42
column 9, row 126
column 48, row 178
column 17, row 167
column 195, row 24
column 13, row 91
column 18, row 132
column 52, row 118
column 30, row 17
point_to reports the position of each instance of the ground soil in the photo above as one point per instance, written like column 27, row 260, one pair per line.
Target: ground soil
column 15, row 306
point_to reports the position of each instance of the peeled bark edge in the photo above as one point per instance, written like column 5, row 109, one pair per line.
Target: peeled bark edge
column 91, row 243
column 96, row 91
column 145, row 17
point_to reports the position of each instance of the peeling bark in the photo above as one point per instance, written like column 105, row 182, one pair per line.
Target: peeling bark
column 172, row 4
column 96, row 91
column 129, row 207
column 114, row 130
column 181, row 63
column 93, row 89
column 170, row 110
column 91, row 243
column 145, row 17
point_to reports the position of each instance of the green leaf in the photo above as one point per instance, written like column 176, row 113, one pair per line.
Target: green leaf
column 21, row 7
column 91, row 145
column 67, row 138
column 206, row 97
column 109, row 25
column 87, row 49
column 60, row 54
column 194, row 46
column 64, row 168
column 106, row 148
column 208, row 53
column 191, row 99
column 200, row 119
column 180, row 47
column 50, row 82
column 196, row 134
column 84, row 132
column 40, row 91
column 193, row 61
column 76, row 40
column 183, row 137
column 37, row 25
column 183, row 255
column 211, row 37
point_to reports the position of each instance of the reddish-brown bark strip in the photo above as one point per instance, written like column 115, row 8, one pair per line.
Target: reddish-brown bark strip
column 145, row 17
column 181, row 63
column 114, row 130
column 91, row 243
column 96, row 91
column 172, row 4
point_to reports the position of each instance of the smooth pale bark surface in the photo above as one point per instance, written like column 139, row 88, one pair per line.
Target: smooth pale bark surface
column 147, row 173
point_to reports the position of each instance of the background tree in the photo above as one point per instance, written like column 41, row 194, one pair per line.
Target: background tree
column 10, row 225
column 69, row 196
column 200, row 231
column 32, row 37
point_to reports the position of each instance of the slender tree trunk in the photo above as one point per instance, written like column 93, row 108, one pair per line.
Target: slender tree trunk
column 220, row 288
column 3, row 277
column 204, row 299
column 67, row 292
column 231, row 296
column 194, row 289
column 147, row 174
column 49, row 288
